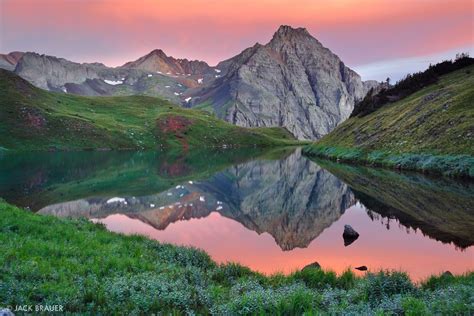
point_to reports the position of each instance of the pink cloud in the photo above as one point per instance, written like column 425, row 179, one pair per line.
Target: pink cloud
column 117, row 31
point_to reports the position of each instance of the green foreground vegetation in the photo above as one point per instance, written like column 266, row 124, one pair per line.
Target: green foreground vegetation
column 35, row 119
column 85, row 268
column 431, row 130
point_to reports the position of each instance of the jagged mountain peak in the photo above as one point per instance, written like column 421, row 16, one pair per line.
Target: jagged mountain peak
column 286, row 31
column 158, row 61
column 155, row 56
column 293, row 81
column 158, row 52
column 296, row 38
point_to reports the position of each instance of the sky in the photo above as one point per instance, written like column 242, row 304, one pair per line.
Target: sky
column 377, row 38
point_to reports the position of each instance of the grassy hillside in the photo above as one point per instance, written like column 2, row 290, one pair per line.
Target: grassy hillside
column 34, row 119
column 88, row 270
column 431, row 129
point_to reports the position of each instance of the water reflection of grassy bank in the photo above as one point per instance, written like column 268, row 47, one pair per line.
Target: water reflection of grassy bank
column 441, row 208
column 47, row 260
column 39, row 179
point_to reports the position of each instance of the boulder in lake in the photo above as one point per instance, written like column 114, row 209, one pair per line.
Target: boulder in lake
column 349, row 235
column 314, row 265
column 361, row 268
column 447, row 274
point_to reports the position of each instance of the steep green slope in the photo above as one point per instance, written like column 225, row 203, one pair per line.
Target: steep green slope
column 431, row 130
column 34, row 119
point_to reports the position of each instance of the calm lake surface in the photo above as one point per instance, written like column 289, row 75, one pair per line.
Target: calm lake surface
column 274, row 211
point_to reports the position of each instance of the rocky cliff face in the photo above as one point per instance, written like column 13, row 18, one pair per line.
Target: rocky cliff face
column 50, row 73
column 293, row 81
column 95, row 79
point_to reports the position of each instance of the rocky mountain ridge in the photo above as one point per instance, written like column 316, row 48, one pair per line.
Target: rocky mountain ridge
column 293, row 82
column 158, row 61
column 96, row 79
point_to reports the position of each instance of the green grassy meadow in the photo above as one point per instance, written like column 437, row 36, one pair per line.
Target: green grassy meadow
column 86, row 269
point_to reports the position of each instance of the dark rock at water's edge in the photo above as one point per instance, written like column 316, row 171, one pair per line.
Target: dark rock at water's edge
column 314, row 265
column 447, row 274
column 349, row 235
column 361, row 268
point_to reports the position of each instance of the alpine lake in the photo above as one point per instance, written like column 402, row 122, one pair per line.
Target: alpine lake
column 271, row 210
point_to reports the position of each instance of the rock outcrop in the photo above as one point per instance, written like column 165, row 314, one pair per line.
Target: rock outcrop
column 9, row 61
column 51, row 73
column 293, row 81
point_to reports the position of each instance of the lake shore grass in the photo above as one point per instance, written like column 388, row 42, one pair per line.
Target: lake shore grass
column 449, row 165
column 87, row 269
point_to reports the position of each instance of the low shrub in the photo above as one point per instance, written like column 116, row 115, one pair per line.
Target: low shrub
column 414, row 307
column 288, row 300
column 228, row 273
column 386, row 283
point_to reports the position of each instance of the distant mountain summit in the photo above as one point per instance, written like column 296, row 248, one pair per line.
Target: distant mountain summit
column 293, row 81
column 158, row 61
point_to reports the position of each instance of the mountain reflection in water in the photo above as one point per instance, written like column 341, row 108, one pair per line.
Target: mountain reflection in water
column 271, row 211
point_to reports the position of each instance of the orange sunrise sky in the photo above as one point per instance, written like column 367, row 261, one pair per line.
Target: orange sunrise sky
column 376, row 38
